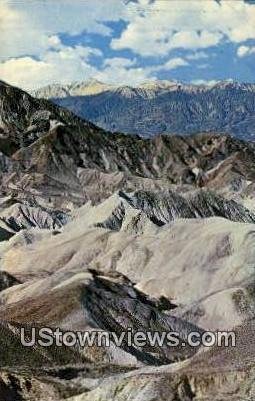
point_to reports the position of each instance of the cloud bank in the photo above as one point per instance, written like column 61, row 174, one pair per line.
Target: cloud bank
column 126, row 42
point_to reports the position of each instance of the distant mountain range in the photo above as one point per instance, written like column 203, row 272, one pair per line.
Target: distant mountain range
column 161, row 107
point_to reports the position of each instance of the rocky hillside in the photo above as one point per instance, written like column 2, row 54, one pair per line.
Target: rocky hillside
column 52, row 154
column 187, row 274
column 104, row 231
column 162, row 107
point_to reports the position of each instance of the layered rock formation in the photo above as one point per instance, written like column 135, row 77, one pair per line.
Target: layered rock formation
column 107, row 232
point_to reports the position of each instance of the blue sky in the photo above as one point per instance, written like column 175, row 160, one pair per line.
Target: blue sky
column 126, row 41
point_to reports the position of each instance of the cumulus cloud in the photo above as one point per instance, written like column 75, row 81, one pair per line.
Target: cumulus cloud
column 124, row 71
column 161, row 26
column 211, row 82
column 19, row 35
column 243, row 51
column 117, row 62
column 25, row 27
column 25, row 72
column 173, row 63
column 63, row 65
column 197, row 55
column 195, row 39
column 54, row 41
column 33, row 54
column 71, row 64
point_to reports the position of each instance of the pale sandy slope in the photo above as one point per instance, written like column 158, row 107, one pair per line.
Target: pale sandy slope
column 205, row 265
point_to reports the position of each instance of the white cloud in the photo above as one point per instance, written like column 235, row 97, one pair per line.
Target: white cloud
column 211, row 82
column 195, row 40
column 243, row 51
column 197, row 55
column 54, row 41
column 33, row 55
column 18, row 34
column 124, row 71
column 25, row 72
column 161, row 26
column 70, row 64
column 173, row 63
column 64, row 65
column 117, row 62
column 26, row 26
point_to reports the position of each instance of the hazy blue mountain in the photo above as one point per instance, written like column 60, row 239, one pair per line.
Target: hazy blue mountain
column 161, row 107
